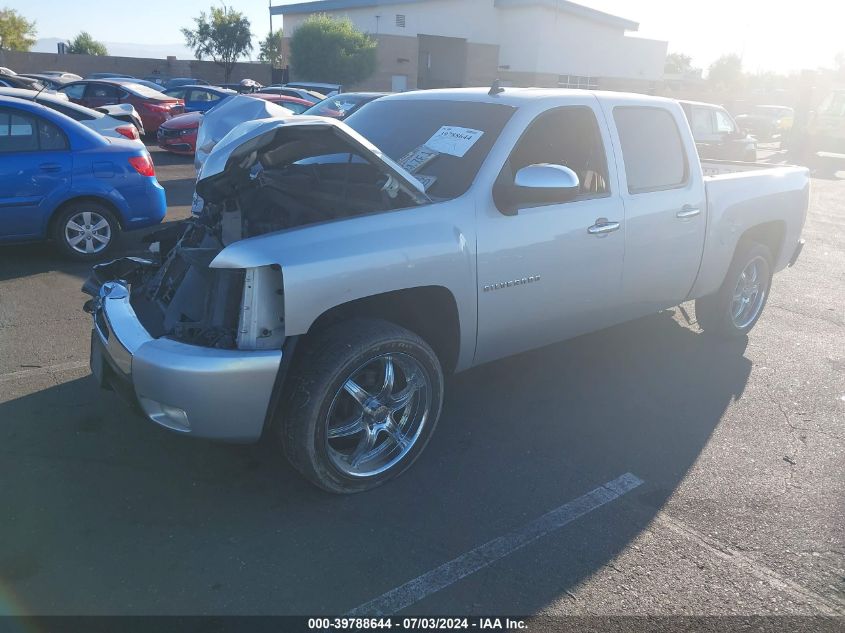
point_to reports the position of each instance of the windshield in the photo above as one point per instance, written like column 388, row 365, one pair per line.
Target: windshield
column 442, row 143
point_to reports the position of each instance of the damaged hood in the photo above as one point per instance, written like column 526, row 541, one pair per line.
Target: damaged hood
column 248, row 138
column 218, row 122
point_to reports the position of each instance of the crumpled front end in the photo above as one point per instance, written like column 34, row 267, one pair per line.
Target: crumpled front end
column 197, row 342
column 197, row 349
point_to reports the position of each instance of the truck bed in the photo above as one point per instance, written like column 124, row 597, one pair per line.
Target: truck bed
column 722, row 167
column 745, row 195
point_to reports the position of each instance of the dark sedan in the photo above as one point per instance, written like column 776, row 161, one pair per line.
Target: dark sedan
column 199, row 98
column 19, row 81
column 767, row 122
column 716, row 134
column 50, row 81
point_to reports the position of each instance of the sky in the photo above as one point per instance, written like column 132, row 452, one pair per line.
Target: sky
column 769, row 35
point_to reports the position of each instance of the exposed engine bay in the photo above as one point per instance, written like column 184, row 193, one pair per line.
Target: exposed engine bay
column 290, row 177
column 297, row 176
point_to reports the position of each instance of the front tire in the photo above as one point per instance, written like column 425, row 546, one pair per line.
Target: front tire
column 86, row 230
column 362, row 404
column 735, row 308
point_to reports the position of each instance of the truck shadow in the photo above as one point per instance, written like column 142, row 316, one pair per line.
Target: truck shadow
column 187, row 519
column 34, row 258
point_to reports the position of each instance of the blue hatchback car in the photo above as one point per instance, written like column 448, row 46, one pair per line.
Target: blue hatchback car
column 59, row 180
column 199, row 98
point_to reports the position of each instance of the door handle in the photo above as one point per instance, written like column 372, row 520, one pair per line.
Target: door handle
column 688, row 211
column 602, row 227
column 50, row 167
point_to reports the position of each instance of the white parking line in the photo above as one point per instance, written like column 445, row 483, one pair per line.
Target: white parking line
column 37, row 371
column 492, row 551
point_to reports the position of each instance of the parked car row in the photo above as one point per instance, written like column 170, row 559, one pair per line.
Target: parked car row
column 179, row 134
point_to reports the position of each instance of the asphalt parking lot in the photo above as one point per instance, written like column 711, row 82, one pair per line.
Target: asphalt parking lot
column 738, row 447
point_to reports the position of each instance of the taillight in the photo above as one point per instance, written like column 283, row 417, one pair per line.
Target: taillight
column 155, row 107
column 128, row 131
column 143, row 164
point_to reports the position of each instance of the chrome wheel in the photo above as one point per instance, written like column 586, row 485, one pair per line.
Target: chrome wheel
column 377, row 416
column 88, row 232
column 749, row 294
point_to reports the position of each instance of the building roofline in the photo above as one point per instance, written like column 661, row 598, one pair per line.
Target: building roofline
column 316, row 6
column 575, row 9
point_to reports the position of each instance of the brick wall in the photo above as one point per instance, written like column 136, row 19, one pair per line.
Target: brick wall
column 136, row 66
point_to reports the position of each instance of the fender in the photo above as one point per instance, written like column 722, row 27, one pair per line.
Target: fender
column 330, row 264
column 740, row 201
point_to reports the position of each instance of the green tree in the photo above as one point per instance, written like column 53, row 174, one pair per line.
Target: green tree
column 16, row 32
column 223, row 35
column 726, row 72
column 332, row 50
column 271, row 49
column 84, row 44
column 677, row 64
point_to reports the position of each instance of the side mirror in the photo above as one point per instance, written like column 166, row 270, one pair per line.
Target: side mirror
column 544, row 183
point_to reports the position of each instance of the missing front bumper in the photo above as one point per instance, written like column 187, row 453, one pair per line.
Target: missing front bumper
column 221, row 394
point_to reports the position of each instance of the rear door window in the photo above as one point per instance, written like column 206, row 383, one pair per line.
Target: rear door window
column 652, row 149
column 50, row 137
column 74, row 91
column 102, row 91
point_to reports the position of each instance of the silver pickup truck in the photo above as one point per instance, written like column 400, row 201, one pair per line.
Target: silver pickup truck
column 337, row 271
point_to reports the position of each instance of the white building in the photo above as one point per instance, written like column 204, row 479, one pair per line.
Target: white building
column 451, row 43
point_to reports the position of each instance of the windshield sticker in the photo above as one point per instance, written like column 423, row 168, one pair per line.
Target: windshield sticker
column 417, row 158
column 455, row 141
column 425, row 180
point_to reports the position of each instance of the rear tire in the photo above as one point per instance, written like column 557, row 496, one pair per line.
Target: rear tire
column 86, row 230
column 734, row 309
column 348, row 423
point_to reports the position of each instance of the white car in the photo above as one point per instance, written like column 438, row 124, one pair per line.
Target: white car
column 117, row 122
column 61, row 74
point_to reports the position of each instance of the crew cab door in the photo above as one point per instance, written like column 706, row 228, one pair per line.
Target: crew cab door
column 35, row 168
column 543, row 276
column 665, row 205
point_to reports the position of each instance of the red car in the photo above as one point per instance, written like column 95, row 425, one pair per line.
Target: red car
column 179, row 134
column 153, row 107
column 294, row 104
